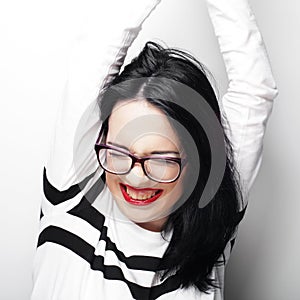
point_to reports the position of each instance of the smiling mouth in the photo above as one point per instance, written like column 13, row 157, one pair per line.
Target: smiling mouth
column 139, row 196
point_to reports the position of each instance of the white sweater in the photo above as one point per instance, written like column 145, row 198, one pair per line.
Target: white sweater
column 83, row 251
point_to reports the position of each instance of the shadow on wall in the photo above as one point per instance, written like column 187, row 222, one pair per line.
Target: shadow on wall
column 245, row 273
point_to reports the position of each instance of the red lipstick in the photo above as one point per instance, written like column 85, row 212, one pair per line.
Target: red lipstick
column 139, row 202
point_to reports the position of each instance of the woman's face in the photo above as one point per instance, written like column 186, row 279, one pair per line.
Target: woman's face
column 143, row 129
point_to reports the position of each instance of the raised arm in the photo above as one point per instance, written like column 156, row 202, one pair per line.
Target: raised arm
column 249, row 99
column 97, row 57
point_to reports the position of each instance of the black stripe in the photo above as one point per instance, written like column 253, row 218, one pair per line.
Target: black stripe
column 86, row 251
column 85, row 211
column 67, row 239
column 91, row 215
column 169, row 285
column 55, row 196
column 96, row 189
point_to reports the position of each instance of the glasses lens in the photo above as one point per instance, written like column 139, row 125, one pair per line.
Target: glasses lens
column 114, row 161
column 162, row 170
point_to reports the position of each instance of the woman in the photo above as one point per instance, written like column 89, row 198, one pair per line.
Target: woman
column 134, row 227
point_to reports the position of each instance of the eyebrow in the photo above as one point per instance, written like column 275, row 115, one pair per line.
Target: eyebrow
column 153, row 152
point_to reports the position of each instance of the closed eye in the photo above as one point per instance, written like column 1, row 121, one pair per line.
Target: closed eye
column 117, row 154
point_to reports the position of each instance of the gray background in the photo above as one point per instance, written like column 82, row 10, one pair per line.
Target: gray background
column 35, row 38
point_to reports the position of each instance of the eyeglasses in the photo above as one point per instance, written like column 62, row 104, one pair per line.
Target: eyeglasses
column 159, row 168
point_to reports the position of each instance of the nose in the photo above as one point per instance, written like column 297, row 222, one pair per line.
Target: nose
column 137, row 177
column 137, row 170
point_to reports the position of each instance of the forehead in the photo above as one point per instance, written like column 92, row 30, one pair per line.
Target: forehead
column 142, row 127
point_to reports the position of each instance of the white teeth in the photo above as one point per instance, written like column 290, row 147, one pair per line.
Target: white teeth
column 139, row 195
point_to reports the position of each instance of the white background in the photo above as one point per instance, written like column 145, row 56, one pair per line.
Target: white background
column 34, row 40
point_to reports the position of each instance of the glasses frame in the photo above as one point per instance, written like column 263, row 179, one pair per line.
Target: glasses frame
column 141, row 160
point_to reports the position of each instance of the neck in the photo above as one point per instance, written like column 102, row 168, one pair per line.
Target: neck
column 155, row 226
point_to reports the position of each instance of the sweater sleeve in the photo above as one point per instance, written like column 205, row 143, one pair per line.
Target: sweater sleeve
column 248, row 102
column 96, row 58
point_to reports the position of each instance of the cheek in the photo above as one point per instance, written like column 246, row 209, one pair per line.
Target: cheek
column 178, row 187
column 174, row 191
